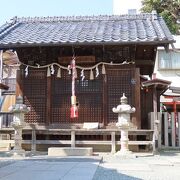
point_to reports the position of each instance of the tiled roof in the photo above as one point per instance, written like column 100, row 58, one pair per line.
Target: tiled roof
column 146, row 28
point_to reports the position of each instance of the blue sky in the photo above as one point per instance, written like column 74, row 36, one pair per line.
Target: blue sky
column 11, row 8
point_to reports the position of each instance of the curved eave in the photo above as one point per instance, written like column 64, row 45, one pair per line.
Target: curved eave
column 159, row 84
column 158, row 43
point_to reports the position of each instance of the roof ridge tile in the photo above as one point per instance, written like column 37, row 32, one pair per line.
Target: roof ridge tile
column 86, row 18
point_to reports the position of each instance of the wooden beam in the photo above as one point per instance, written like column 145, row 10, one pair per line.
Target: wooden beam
column 144, row 62
column 81, row 142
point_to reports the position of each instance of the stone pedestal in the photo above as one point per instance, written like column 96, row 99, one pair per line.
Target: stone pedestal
column 18, row 110
column 124, row 125
column 70, row 151
column 124, row 151
column 17, row 150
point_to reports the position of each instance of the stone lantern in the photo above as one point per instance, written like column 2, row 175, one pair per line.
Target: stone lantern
column 18, row 110
column 124, row 110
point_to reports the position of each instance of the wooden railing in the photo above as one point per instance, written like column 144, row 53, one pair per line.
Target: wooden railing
column 168, row 129
column 73, row 141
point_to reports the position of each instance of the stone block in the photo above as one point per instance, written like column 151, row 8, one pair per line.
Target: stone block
column 70, row 151
column 5, row 146
column 90, row 125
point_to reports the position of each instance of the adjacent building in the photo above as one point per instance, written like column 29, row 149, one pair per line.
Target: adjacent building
column 167, row 66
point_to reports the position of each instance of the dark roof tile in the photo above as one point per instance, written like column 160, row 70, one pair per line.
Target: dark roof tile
column 85, row 29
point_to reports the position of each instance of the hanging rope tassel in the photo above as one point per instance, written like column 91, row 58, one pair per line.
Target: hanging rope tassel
column 82, row 75
column 69, row 69
column 103, row 69
column 97, row 71
column 26, row 71
column 48, row 72
column 59, row 73
column 91, row 75
column 52, row 69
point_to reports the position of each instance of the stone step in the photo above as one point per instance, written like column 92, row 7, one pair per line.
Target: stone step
column 70, row 151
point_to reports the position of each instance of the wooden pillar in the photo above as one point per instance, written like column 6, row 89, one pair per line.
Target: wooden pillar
column 173, row 135
column 179, row 128
column 33, row 140
column 105, row 122
column 113, row 143
column 137, row 99
column 159, row 129
column 155, row 104
column 166, row 141
column 19, row 83
column 73, row 139
column 48, row 102
column 175, row 115
column 155, row 117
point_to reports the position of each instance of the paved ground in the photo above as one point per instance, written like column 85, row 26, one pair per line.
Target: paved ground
column 45, row 168
column 165, row 166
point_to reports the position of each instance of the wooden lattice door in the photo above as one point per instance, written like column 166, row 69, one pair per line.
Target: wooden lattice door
column 35, row 95
column 89, row 95
column 119, row 80
column 49, row 98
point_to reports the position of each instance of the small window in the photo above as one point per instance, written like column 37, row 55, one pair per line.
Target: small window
column 170, row 60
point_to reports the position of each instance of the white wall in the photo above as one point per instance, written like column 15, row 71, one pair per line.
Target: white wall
column 172, row 75
column 122, row 6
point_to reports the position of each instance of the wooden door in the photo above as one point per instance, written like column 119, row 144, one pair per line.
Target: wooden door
column 35, row 95
column 89, row 95
column 120, row 80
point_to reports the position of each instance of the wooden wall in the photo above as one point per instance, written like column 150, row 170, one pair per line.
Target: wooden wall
column 49, row 97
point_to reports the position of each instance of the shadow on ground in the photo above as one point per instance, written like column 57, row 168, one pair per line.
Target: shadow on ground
column 111, row 174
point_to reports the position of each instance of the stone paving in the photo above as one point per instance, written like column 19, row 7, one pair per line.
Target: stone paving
column 165, row 166
column 45, row 168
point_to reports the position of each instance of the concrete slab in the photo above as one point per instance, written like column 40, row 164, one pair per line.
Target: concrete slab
column 70, row 151
column 158, row 161
column 127, row 166
column 51, row 168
